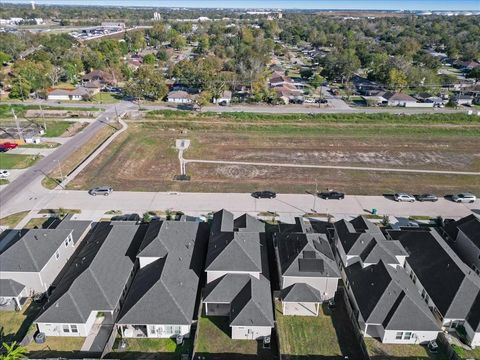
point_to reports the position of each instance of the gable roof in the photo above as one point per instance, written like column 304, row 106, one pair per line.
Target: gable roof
column 171, row 280
column 385, row 295
column 394, row 96
column 249, row 297
column 306, row 255
column 301, row 292
column 10, row 288
column 447, row 280
column 96, row 281
column 33, row 250
column 469, row 225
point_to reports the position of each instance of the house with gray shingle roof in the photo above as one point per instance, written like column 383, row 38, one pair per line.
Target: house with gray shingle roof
column 464, row 235
column 95, row 285
column 238, row 283
column 35, row 257
column 161, row 299
column 307, row 270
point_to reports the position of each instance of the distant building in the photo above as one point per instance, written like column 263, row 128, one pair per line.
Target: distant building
column 225, row 98
column 157, row 16
column 179, row 97
column 108, row 24
column 78, row 94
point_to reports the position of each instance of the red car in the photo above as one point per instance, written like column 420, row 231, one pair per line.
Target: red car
column 8, row 145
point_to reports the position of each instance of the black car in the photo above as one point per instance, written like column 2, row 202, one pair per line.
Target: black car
column 264, row 195
column 427, row 197
column 331, row 195
column 321, row 101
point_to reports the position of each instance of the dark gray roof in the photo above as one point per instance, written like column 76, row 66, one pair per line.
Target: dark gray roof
column 79, row 227
column 473, row 317
column 32, row 251
column 171, row 280
column 306, row 255
column 97, row 279
column 361, row 238
column 301, row 292
column 448, row 281
column 250, row 299
column 10, row 288
column 386, row 296
column 469, row 225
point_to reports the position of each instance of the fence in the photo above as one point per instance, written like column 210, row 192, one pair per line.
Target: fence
column 111, row 340
column 358, row 334
column 446, row 348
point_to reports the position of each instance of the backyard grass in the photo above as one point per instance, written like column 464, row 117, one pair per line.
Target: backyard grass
column 57, row 347
column 214, row 342
column 379, row 351
column 14, row 325
column 164, row 349
column 330, row 335
column 75, row 159
column 16, row 161
column 57, row 128
column 11, row 221
column 467, row 354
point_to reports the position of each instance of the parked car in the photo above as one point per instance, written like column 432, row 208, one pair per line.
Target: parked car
column 427, row 197
column 327, row 195
column 403, row 197
column 264, row 195
column 309, row 101
column 4, row 174
column 8, row 145
column 3, row 149
column 101, row 190
column 464, row 198
column 321, row 101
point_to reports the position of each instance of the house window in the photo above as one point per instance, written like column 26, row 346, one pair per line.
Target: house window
column 66, row 328
column 399, row 336
column 169, row 329
column 177, row 330
column 407, row 335
column 57, row 255
column 152, row 330
column 74, row 328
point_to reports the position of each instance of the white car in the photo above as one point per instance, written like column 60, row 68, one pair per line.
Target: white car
column 403, row 197
column 464, row 198
column 4, row 174
column 309, row 101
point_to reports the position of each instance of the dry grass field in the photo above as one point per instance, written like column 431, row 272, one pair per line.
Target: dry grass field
column 144, row 157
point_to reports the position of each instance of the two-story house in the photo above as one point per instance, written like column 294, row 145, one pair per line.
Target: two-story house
column 307, row 270
column 238, row 285
column 161, row 300
column 465, row 237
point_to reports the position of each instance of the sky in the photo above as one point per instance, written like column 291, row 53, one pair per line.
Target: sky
column 285, row 4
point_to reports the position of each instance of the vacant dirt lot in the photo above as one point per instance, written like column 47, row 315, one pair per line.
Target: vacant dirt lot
column 144, row 158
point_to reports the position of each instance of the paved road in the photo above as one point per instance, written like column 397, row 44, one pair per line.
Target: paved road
column 28, row 184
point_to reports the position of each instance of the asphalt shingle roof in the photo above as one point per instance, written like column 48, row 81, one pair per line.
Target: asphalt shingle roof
column 171, row 280
column 10, row 288
column 301, row 292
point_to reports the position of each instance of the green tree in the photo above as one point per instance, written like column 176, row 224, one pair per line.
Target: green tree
column 13, row 352
column 178, row 42
column 397, row 80
column 474, row 73
column 20, row 89
column 149, row 59
column 203, row 99
column 147, row 83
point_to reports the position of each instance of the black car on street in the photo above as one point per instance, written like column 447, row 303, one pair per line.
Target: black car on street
column 264, row 195
column 334, row 195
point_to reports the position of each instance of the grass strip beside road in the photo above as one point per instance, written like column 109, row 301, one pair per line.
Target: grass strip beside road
column 11, row 221
column 16, row 161
column 79, row 156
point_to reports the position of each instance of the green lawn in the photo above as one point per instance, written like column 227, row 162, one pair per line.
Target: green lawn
column 4, row 182
column 57, row 347
column 151, row 348
column 15, row 161
column 105, row 98
column 467, row 354
column 57, row 128
column 43, row 145
column 11, row 221
column 36, row 222
column 214, row 342
column 379, row 351
column 15, row 325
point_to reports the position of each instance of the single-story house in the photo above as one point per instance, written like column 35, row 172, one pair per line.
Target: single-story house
column 170, row 265
column 399, row 99
column 279, row 79
column 35, row 258
column 179, row 97
column 226, row 98
column 103, row 77
column 463, row 99
column 78, row 94
column 307, row 270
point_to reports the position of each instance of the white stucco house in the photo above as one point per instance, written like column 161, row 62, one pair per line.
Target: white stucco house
column 179, row 97
column 78, row 94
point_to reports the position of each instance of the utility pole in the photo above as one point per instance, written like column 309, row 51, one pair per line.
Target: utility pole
column 60, row 168
column 19, row 129
column 43, row 118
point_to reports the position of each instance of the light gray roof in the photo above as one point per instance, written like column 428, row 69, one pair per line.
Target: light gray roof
column 387, row 296
column 171, row 280
column 10, row 288
column 301, row 292
column 306, row 255
column 95, row 282
column 249, row 297
column 32, row 251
